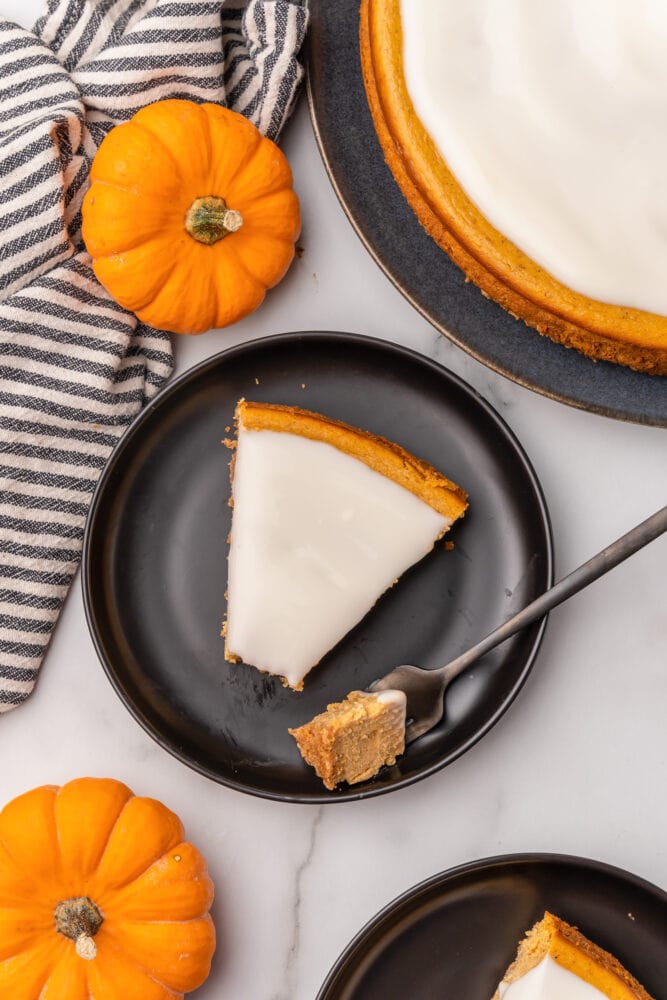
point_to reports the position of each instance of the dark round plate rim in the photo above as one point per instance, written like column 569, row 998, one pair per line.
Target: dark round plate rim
column 607, row 410
column 480, row 867
column 136, row 427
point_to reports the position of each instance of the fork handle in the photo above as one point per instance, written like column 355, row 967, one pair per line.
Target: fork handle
column 593, row 568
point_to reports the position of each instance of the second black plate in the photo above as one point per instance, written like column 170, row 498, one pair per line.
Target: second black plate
column 454, row 935
column 155, row 570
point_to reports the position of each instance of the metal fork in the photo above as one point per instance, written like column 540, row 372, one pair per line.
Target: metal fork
column 425, row 689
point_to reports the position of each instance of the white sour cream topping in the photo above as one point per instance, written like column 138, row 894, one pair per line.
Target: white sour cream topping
column 317, row 537
column 549, row 981
column 392, row 697
column 552, row 115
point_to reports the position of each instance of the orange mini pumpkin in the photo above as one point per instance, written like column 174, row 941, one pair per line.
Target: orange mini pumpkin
column 100, row 897
column 190, row 215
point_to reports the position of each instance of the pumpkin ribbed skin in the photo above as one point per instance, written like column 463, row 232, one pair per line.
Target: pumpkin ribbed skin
column 93, row 839
column 145, row 178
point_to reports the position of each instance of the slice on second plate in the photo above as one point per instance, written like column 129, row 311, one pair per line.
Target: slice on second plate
column 555, row 960
column 326, row 517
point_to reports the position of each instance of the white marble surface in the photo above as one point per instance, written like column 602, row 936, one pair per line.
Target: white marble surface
column 577, row 765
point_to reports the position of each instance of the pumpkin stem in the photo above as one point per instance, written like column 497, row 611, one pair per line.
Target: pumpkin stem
column 209, row 220
column 79, row 919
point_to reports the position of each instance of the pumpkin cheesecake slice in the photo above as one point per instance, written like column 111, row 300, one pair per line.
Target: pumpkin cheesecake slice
column 555, row 960
column 354, row 738
column 326, row 517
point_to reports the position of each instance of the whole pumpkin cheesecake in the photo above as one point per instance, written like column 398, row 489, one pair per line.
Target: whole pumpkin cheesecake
column 555, row 960
column 326, row 517
column 530, row 140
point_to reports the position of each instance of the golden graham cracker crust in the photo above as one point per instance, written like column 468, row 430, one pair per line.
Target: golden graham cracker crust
column 504, row 273
column 566, row 945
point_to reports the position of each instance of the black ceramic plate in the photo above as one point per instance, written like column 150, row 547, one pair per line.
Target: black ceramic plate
column 155, row 562
column 425, row 274
column 454, row 935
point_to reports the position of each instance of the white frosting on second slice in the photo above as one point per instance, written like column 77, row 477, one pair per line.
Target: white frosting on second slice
column 552, row 116
column 317, row 537
column 549, row 981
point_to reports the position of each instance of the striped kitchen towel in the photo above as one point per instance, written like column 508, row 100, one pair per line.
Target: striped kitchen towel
column 75, row 367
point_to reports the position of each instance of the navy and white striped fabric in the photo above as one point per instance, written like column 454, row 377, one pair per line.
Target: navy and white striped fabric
column 75, row 367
